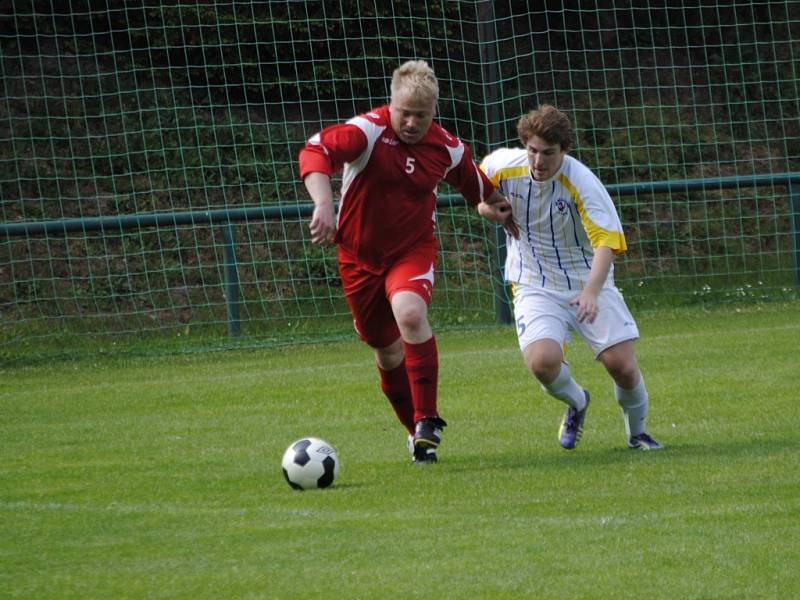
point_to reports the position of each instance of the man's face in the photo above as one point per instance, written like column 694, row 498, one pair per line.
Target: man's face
column 411, row 116
column 544, row 158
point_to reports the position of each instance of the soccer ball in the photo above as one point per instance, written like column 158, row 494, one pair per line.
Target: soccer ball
column 310, row 463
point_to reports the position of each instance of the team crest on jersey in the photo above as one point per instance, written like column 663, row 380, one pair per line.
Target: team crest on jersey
column 562, row 207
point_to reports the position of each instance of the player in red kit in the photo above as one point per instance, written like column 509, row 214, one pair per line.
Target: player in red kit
column 392, row 159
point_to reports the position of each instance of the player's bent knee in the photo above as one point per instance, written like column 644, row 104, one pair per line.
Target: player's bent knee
column 543, row 360
column 410, row 320
column 625, row 375
column 620, row 362
column 410, row 311
column 544, row 370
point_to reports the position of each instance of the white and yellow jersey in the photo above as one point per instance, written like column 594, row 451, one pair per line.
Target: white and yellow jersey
column 561, row 221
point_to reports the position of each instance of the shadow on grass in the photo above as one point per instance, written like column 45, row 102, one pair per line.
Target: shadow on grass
column 588, row 458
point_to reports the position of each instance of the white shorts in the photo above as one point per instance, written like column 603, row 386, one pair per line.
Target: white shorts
column 547, row 314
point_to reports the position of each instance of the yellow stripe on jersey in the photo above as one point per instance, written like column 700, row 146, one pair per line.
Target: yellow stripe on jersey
column 597, row 235
column 509, row 173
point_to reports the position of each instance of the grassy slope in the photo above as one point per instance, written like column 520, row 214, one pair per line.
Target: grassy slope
column 160, row 476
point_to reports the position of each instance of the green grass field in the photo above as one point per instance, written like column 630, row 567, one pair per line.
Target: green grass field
column 159, row 476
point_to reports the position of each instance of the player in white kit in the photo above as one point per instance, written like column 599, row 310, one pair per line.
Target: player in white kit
column 562, row 274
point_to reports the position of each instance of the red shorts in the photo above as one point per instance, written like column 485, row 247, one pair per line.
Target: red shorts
column 369, row 294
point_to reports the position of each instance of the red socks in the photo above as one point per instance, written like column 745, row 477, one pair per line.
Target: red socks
column 395, row 385
column 422, row 366
column 411, row 386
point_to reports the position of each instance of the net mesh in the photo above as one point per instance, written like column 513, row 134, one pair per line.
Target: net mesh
column 111, row 112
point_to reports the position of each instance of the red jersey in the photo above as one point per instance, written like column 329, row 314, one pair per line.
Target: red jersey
column 388, row 194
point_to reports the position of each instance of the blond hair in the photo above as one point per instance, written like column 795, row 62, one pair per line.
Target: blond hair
column 417, row 77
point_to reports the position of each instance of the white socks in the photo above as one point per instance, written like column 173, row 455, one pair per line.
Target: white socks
column 634, row 405
column 634, row 402
column 566, row 389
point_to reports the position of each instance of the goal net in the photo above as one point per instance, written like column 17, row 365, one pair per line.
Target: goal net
column 125, row 127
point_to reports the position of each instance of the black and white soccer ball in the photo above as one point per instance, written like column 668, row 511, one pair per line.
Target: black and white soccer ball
column 310, row 463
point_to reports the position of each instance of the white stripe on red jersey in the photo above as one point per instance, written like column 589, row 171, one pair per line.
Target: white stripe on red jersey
column 388, row 194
